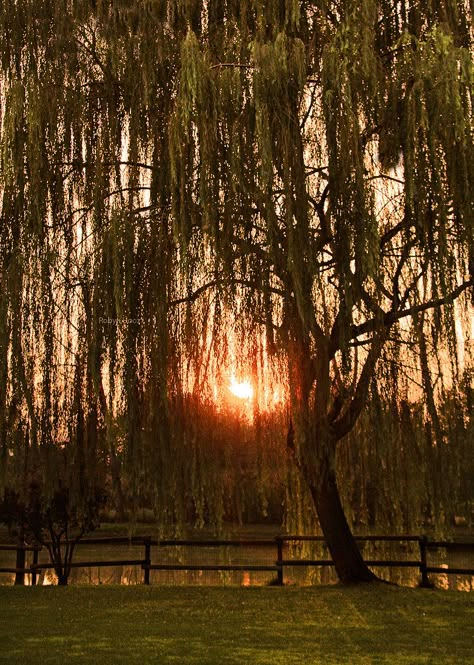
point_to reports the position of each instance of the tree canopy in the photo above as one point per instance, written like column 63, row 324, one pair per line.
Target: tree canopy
column 181, row 180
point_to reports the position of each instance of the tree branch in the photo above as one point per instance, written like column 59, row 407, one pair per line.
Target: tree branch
column 191, row 297
column 391, row 233
column 391, row 317
column 83, row 165
column 237, row 65
column 346, row 422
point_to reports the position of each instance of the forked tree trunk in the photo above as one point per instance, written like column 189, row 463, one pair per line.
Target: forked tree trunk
column 345, row 553
column 62, row 579
column 62, row 564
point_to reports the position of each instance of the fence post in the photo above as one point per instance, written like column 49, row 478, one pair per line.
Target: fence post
column 20, row 565
column 279, row 542
column 146, row 573
column 35, row 563
column 425, row 582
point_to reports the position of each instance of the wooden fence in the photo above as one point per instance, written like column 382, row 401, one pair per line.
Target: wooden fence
column 277, row 567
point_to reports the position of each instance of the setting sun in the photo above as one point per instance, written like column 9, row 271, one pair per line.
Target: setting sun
column 241, row 389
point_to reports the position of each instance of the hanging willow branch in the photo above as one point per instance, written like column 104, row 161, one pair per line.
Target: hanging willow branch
column 275, row 178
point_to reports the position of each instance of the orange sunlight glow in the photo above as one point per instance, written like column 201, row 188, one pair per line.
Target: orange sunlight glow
column 241, row 389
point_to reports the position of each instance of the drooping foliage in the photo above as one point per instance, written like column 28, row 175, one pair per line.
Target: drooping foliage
column 186, row 186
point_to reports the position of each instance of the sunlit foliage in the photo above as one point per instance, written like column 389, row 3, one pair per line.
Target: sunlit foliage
column 180, row 180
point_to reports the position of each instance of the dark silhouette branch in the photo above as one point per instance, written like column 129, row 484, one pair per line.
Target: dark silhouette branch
column 394, row 231
column 346, row 422
column 191, row 297
column 236, row 65
column 79, row 165
column 391, row 317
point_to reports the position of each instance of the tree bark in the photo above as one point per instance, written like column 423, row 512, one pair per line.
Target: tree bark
column 321, row 426
column 345, row 553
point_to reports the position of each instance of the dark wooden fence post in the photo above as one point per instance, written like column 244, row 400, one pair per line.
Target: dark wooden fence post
column 279, row 542
column 425, row 582
column 35, row 563
column 20, row 565
column 146, row 573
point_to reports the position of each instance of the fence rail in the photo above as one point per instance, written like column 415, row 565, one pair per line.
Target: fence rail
column 278, row 566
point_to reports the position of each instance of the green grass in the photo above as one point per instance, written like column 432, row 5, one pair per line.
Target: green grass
column 204, row 626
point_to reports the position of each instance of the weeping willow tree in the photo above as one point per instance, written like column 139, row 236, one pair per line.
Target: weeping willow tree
column 299, row 171
column 107, row 331
column 325, row 151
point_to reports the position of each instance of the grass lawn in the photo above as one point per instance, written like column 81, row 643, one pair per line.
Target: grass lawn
column 204, row 626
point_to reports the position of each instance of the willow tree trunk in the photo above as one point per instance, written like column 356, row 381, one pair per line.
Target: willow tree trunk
column 322, row 482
